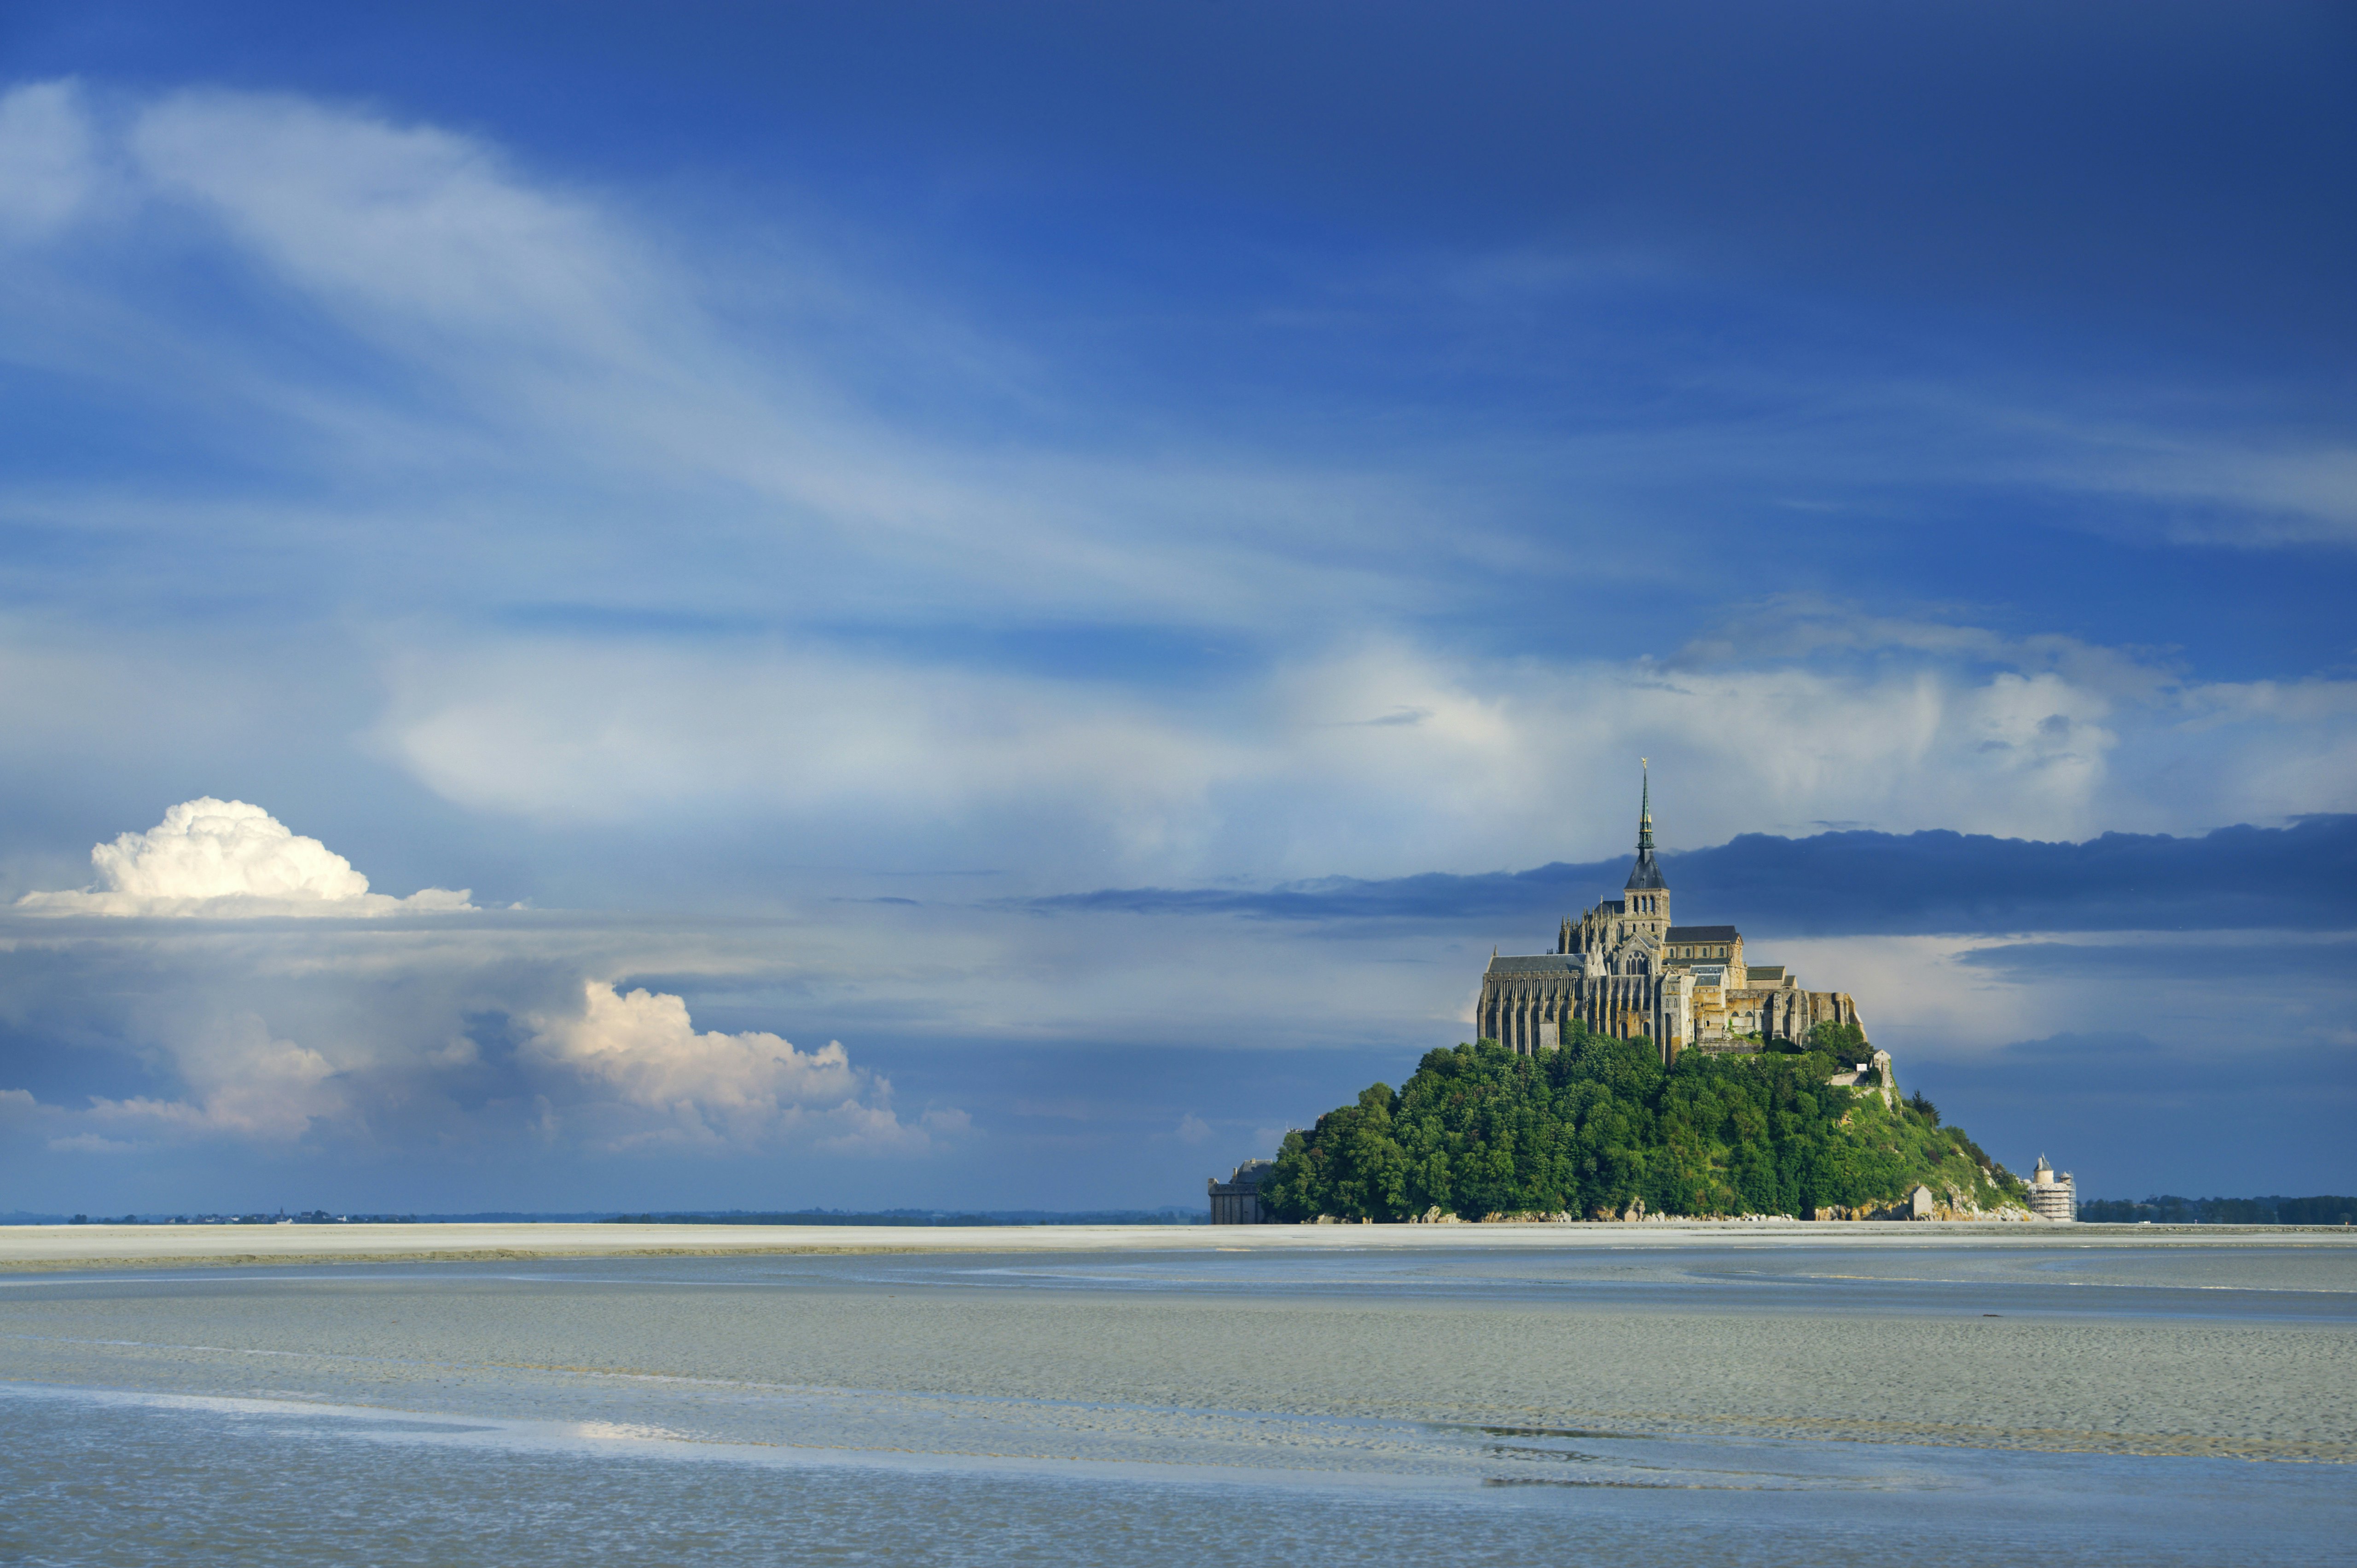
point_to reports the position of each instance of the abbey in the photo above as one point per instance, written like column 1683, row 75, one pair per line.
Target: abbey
column 1623, row 970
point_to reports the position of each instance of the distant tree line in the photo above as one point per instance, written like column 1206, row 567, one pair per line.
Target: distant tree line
column 927, row 1216
column 307, row 1217
column 2169, row 1210
column 1600, row 1124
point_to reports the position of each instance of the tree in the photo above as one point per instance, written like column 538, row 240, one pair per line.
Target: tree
column 1479, row 1129
column 1349, row 1165
column 1843, row 1042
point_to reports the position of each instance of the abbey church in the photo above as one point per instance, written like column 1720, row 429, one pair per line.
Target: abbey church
column 1623, row 970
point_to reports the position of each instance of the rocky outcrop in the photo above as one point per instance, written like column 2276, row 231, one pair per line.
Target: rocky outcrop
column 1842, row 1212
column 1924, row 1203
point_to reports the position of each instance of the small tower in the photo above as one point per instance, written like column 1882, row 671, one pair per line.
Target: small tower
column 1646, row 896
column 2053, row 1196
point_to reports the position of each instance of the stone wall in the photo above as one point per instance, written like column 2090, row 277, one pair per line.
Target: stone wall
column 1236, row 1201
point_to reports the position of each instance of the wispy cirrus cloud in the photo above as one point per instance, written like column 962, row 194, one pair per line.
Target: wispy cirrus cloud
column 493, row 331
column 757, row 556
column 519, row 522
column 1912, row 728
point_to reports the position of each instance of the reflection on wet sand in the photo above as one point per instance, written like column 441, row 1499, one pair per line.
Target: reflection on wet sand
column 2100, row 1379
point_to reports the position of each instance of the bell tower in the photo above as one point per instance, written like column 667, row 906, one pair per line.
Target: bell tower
column 1646, row 899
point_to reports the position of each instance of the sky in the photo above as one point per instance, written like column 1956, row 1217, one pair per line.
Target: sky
column 612, row 607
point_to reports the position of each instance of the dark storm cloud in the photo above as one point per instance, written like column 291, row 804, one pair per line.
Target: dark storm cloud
column 2196, row 959
column 2302, row 877
column 2128, row 1116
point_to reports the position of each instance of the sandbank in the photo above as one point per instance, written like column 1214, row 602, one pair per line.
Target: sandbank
column 108, row 1247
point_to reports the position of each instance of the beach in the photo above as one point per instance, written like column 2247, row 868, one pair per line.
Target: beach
column 1971, row 1390
column 102, row 1246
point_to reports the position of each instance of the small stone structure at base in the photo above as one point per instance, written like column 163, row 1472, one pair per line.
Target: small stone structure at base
column 1236, row 1201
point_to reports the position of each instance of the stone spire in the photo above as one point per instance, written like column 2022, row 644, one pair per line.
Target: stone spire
column 1645, row 875
column 1645, row 813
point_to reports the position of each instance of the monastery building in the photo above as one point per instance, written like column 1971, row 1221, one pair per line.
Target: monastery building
column 1623, row 970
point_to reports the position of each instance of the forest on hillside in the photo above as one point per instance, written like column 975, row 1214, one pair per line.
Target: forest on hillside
column 1479, row 1131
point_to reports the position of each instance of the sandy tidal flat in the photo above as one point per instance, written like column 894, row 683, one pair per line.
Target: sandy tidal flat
column 1849, row 1390
column 160, row 1246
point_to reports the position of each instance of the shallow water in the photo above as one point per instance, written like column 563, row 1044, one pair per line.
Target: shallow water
column 1826, row 1405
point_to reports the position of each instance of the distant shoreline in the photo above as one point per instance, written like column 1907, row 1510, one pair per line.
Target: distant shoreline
column 48, row 1249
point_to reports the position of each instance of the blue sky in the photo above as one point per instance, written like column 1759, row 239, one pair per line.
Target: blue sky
column 1082, row 566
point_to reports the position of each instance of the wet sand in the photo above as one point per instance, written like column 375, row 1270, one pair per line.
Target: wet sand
column 2245, row 1349
column 1970, row 1395
column 45, row 1247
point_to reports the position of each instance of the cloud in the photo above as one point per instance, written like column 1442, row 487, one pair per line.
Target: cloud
column 2129, row 1114
column 239, row 1083
column 535, row 367
column 805, row 533
column 2300, row 877
column 91, row 1143
column 418, row 223
column 399, row 1028
column 246, row 1086
column 225, row 859
column 1901, row 727
column 513, row 324
column 2220, row 492
column 446, row 1045
column 2303, row 877
column 2133, row 1067
column 49, row 159
column 711, row 1088
column 2168, row 961
column 503, row 327
column 573, row 731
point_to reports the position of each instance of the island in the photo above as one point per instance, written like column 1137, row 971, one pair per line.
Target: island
column 1642, row 1068
column 1599, row 1128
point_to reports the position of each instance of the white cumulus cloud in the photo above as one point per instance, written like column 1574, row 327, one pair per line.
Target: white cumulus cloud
column 210, row 857
column 711, row 1088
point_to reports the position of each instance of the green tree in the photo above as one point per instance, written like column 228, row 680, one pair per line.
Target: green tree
column 1479, row 1130
column 1843, row 1042
column 1350, row 1165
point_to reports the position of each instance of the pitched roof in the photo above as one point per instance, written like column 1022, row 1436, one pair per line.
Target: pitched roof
column 1704, row 934
column 1539, row 963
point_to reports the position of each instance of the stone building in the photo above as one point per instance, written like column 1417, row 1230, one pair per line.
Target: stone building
column 1624, row 969
column 2053, row 1196
column 1236, row 1201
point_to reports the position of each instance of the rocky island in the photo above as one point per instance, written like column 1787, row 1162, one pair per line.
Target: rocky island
column 1600, row 1127
column 1642, row 1068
